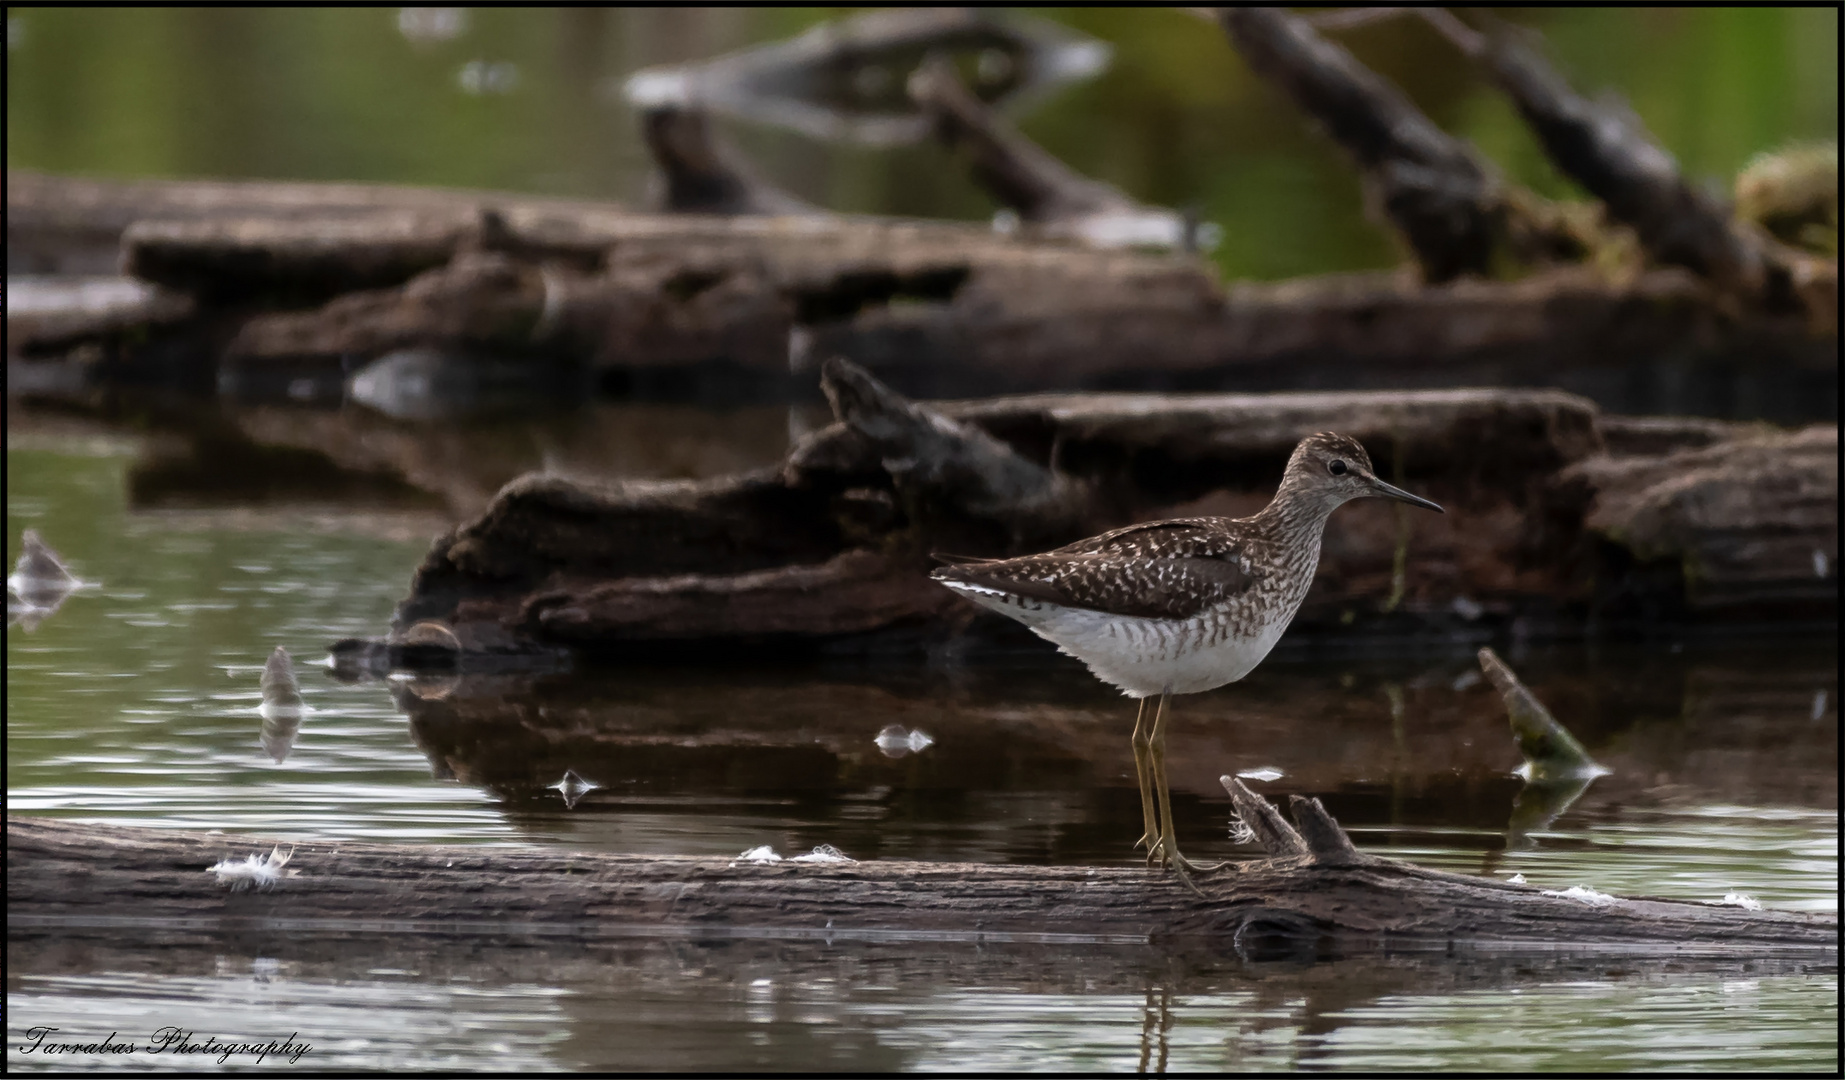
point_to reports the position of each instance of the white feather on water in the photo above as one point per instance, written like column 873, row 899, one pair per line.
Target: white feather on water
column 262, row 871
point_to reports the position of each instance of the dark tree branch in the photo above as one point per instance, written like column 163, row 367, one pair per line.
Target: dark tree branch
column 1429, row 184
column 1271, row 830
column 700, row 175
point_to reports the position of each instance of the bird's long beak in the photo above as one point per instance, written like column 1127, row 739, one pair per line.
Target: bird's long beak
column 1378, row 487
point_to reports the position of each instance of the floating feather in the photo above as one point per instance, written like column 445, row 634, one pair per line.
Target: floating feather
column 825, row 853
column 262, row 871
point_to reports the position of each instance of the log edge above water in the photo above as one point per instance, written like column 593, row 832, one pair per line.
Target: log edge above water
column 64, row 874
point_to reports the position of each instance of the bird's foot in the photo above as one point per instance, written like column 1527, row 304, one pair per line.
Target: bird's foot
column 1179, row 862
column 1168, row 855
column 1184, row 867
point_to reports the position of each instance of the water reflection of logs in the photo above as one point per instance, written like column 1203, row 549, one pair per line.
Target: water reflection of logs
column 1330, row 899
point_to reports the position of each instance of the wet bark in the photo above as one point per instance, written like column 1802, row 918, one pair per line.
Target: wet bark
column 76, row 874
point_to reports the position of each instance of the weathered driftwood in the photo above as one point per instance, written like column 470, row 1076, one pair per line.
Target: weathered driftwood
column 74, row 225
column 834, row 545
column 844, row 79
column 1333, row 895
column 1550, row 751
column 1608, row 151
column 934, row 308
column 937, row 464
column 1458, row 218
column 837, row 542
column 1749, row 522
column 1606, row 148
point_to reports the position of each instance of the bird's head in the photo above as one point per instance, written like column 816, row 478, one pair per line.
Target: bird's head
column 1335, row 469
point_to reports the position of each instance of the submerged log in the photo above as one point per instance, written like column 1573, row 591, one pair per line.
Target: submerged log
column 1332, row 896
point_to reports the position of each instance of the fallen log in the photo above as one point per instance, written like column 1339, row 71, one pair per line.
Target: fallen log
column 1605, row 147
column 832, row 549
column 74, row 225
column 935, row 309
column 1750, row 522
column 1326, row 895
column 837, row 543
column 1609, row 152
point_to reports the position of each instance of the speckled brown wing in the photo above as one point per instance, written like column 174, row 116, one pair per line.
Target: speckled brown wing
column 1163, row 570
column 1199, row 538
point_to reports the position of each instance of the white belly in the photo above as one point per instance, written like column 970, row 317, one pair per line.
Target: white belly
column 1142, row 657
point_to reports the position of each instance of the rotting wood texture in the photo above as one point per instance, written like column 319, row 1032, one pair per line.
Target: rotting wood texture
column 83, row 874
column 295, row 275
column 832, row 549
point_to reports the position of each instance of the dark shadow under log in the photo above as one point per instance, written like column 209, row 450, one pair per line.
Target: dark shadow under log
column 61, row 873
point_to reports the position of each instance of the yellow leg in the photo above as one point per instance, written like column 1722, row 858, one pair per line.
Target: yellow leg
column 1143, row 772
column 1169, row 839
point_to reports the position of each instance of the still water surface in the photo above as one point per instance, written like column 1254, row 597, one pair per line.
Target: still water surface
column 135, row 703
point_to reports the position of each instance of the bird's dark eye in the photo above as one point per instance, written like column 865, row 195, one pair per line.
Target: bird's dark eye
column 1337, row 467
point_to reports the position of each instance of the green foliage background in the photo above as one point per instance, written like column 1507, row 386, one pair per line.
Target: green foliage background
column 339, row 93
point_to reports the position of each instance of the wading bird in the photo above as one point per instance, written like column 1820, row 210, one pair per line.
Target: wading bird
column 1182, row 606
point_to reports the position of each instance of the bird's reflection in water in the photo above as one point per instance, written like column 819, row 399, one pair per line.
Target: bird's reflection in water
column 1155, row 1029
column 282, row 706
